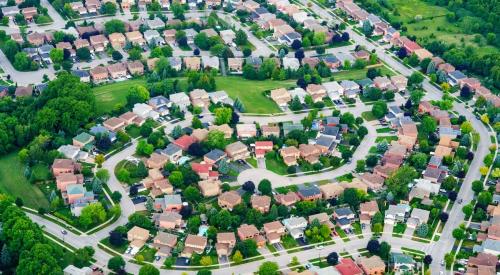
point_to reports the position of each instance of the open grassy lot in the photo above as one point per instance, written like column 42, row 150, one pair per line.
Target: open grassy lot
column 433, row 24
column 276, row 166
column 14, row 183
column 250, row 92
column 358, row 74
column 107, row 96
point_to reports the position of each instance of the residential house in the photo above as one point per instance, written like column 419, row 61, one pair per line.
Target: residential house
column 317, row 92
column 117, row 70
column 228, row 36
column 224, row 128
column 173, row 152
column 180, row 99
column 210, row 187
column 246, row 130
column 367, row 210
column 351, row 88
column 281, row 96
column 155, row 23
column 322, row 218
column 344, row 216
column 135, row 38
column 262, row 147
column 117, row 40
column 156, row 161
column 184, row 142
column 287, row 199
column 274, row 230
column 169, row 220
column 194, row 244
column 225, row 243
column 396, row 213
column 99, row 74
column 229, row 200
column 214, row 156
column 220, row 97
column 334, row 90
column 192, row 63
column 309, row 193
column 169, row 203
column 35, row 39
column 261, row 203
column 210, row 62
column 65, row 166
column 164, row 242
column 347, row 266
column 310, row 152
column 267, row 130
column 135, row 67
column 137, row 237
column 175, row 63
column 204, row 170
column 235, row 64
column 331, row 190
column 295, row 226
column 99, row 42
column 291, row 63
column 246, row 232
column 373, row 181
column 84, row 76
column 400, row 262
column 29, row 13
column 153, row 38
column 199, row 98
column 371, row 265
column 417, row 217
column 237, row 150
column 84, row 141
column 290, row 155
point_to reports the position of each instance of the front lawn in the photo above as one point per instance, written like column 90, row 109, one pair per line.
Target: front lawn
column 147, row 253
column 121, row 249
column 276, row 166
column 341, row 233
column 357, row 228
column 133, row 131
column 252, row 162
column 368, row 116
column 14, row 183
column 289, row 242
column 398, row 229
column 384, row 130
column 386, row 138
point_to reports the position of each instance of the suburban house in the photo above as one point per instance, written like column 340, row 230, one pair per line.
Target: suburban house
column 194, row 244
column 373, row 181
column 184, row 142
column 237, row 150
column 135, row 38
column 235, row 64
column 347, row 266
column 173, row 152
column 371, row 265
column 317, row 92
column 367, row 210
column 137, row 237
column 117, row 40
column 199, row 98
column 262, row 147
column 417, row 217
column 99, row 74
column 224, row 128
column 192, row 63
column 246, row 130
column 225, row 243
column 261, row 203
column 331, row 190
column 281, row 96
column 344, row 216
column 274, row 230
column 267, row 130
column 229, row 200
column 209, row 187
column 396, row 213
column 287, row 199
column 180, row 99
column 84, row 141
column 118, row 70
column 322, row 218
column 169, row 220
column 400, row 262
column 164, row 242
column 214, row 156
column 309, row 193
column 295, row 226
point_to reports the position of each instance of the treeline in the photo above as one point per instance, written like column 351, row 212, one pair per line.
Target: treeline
column 43, row 123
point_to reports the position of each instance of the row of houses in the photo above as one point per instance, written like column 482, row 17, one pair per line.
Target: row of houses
column 28, row 13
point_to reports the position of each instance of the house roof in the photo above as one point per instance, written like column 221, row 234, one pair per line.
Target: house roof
column 373, row 262
column 215, row 154
column 348, row 267
column 309, row 191
column 420, row 214
column 166, row 238
column 138, row 231
column 260, row 201
column 231, row 197
column 196, row 241
column 273, row 226
column 184, row 141
column 369, row 206
column 248, row 230
column 226, row 237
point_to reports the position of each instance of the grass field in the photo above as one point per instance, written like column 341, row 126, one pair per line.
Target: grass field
column 358, row 74
column 433, row 22
column 248, row 91
column 276, row 166
column 107, row 96
column 13, row 182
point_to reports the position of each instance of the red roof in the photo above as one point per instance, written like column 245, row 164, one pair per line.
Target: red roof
column 263, row 144
column 411, row 46
column 348, row 267
column 200, row 168
column 184, row 142
column 260, row 152
column 213, row 174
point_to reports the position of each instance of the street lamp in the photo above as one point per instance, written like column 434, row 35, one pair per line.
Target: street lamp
column 319, row 248
column 64, row 233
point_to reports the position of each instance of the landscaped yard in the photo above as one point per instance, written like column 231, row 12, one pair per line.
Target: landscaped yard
column 399, row 229
column 341, row 233
column 147, row 253
column 121, row 249
column 14, row 183
column 289, row 242
column 386, row 138
column 252, row 162
column 384, row 130
column 368, row 116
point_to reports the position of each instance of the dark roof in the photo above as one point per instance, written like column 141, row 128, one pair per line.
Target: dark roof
column 261, row 10
column 171, row 149
column 41, row 87
column 343, row 221
column 331, row 131
column 333, row 120
column 365, row 82
column 343, row 211
column 80, row 73
column 330, row 59
column 293, row 35
column 326, row 141
column 308, row 191
column 457, row 75
column 215, row 154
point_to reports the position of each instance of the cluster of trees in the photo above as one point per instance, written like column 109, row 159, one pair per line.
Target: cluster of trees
column 269, row 69
column 19, row 59
column 41, row 124
column 25, row 250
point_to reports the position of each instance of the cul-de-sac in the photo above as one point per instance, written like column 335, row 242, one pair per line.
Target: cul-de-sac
column 256, row 137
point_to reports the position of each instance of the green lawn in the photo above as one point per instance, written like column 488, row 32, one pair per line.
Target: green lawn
column 384, row 130
column 252, row 162
column 357, row 228
column 250, row 92
column 14, row 183
column 386, row 138
column 108, row 95
column 358, row 74
column 289, row 242
column 368, row 116
column 399, row 229
column 121, row 249
column 276, row 166
column 341, row 234
column 147, row 253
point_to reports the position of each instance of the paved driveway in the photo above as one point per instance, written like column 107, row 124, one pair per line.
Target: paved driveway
column 388, row 228
column 409, row 232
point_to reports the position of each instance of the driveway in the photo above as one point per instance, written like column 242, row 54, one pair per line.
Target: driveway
column 409, row 232
column 388, row 228
column 366, row 229
column 261, row 163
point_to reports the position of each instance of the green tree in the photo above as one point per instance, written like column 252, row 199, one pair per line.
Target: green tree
column 137, row 94
column 83, row 54
column 191, row 194
column 477, row 186
column 484, row 198
column 268, row 268
column 148, row 269
column 223, row 115
column 237, row 257
column 265, row 187
column 466, row 127
column 418, row 160
column 398, row 182
column 108, row 8
column 196, row 123
column 176, row 179
column 113, row 26
column 178, row 10
column 428, row 125
column 92, row 214
column 116, row 263
column 241, row 38
column 379, row 109
column 459, row 233
column 215, row 139
column 385, row 251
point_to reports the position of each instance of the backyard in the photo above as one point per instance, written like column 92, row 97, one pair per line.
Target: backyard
column 358, row 74
column 14, row 183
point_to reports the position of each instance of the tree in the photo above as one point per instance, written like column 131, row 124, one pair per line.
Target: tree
column 351, row 197
column 116, row 55
column 5, row 257
column 484, row 198
column 418, row 160
column 56, row 55
column 215, row 139
column 116, row 263
column 137, row 94
column 466, row 127
column 360, row 166
column 83, row 54
column 176, row 179
column 204, row 272
column 249, row 187
column 296, row 44
column 416, row 78
column 422, row 230
column 398, row 182
column 93, row 213
column 427, row 259
column 108, row 8
column 379, row 109
column 196, row 123
column 268, row 268
column 265, row 187
column 241, row 38
column 206, row 260
column 371, row 160
column 367, row 28
column 477, row 186
column 192, row 194
column 177, row 132
column 373, row 246
column 178, row 10
column 428, row 125
column 113, row 26
column 223, row 115
column 19, row 202
column 333, row 258
column 384, row 251
column 459, row 233
column 299, row 54
column 148, row 269
column 237, row 257
column 295, row 105
column 443, row 217
column 467, row 210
